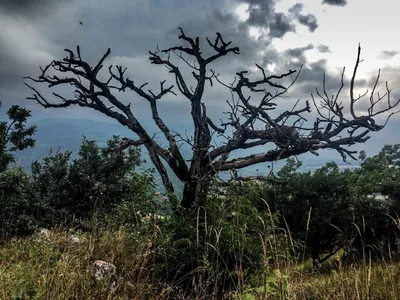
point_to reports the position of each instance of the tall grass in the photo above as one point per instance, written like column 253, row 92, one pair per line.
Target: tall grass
column 56, row 268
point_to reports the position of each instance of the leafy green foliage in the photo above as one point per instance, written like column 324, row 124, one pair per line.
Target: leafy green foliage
column 378, row 178
column 316, row 205
column 15, row 135
column 61, row 191
column 93, row 182
column 322, row 209
column 219, row 245
column 18, row 212
column 381, row 173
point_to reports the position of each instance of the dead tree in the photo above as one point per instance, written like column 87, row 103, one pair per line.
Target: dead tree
column 333, row 129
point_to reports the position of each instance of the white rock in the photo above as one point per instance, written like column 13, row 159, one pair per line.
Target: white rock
column 44, row 233
column 74, row 239
column 102, row 269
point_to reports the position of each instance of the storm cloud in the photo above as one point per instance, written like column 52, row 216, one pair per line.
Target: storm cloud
column 36, row 32
column 29, row 8
column 262, row 14
column 323, row 48
column 308, row 20
column 130, row 28
column 335, row 2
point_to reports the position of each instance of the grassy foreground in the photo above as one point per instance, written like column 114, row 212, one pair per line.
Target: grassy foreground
column 56, row 267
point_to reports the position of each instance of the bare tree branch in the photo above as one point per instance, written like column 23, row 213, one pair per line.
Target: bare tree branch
column 251, row 117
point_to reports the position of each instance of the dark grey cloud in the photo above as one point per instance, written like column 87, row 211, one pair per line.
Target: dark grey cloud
column 294, row 59
column 361, row 82
column 335, row 2
column 22, row 46
column 308, row 20
column 130, row 28
column 299, row 52
column 130, row 35
column 22, row 50
column 280, row 25
column 296, row 9
column 388, row 54
column 309, row 79
column 262, row 14
column 311, row 76
column 323, row 48
column 28, row 8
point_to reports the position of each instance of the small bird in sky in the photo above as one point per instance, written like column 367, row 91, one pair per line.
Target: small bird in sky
column 80, row 23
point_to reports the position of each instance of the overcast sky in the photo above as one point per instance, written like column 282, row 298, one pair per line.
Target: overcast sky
column 323, row 35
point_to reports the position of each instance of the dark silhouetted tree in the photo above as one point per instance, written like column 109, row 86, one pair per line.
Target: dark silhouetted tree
column 249, row 123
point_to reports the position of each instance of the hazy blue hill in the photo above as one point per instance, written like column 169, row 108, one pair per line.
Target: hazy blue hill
column 66, row 134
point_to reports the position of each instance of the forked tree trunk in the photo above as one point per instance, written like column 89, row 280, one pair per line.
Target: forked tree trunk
column 195, row 193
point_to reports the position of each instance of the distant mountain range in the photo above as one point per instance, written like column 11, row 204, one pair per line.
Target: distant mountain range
column 67, row 134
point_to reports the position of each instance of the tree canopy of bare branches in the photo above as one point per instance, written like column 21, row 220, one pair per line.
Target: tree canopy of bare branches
column 334, row 128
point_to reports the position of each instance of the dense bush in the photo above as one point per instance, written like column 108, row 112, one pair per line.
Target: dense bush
column 61, row 191
column 18, row 213
column 17, row 210
column 94, row 182
column 329, row 209
column 319, row 207
column 378, row 177
column 224, row 245
column 381, row 173
column 15, row 135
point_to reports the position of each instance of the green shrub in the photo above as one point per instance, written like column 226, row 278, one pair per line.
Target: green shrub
column 14, row 135
column 218, row 247
column 73, row 193
column 94, row 182
column 18, row 213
